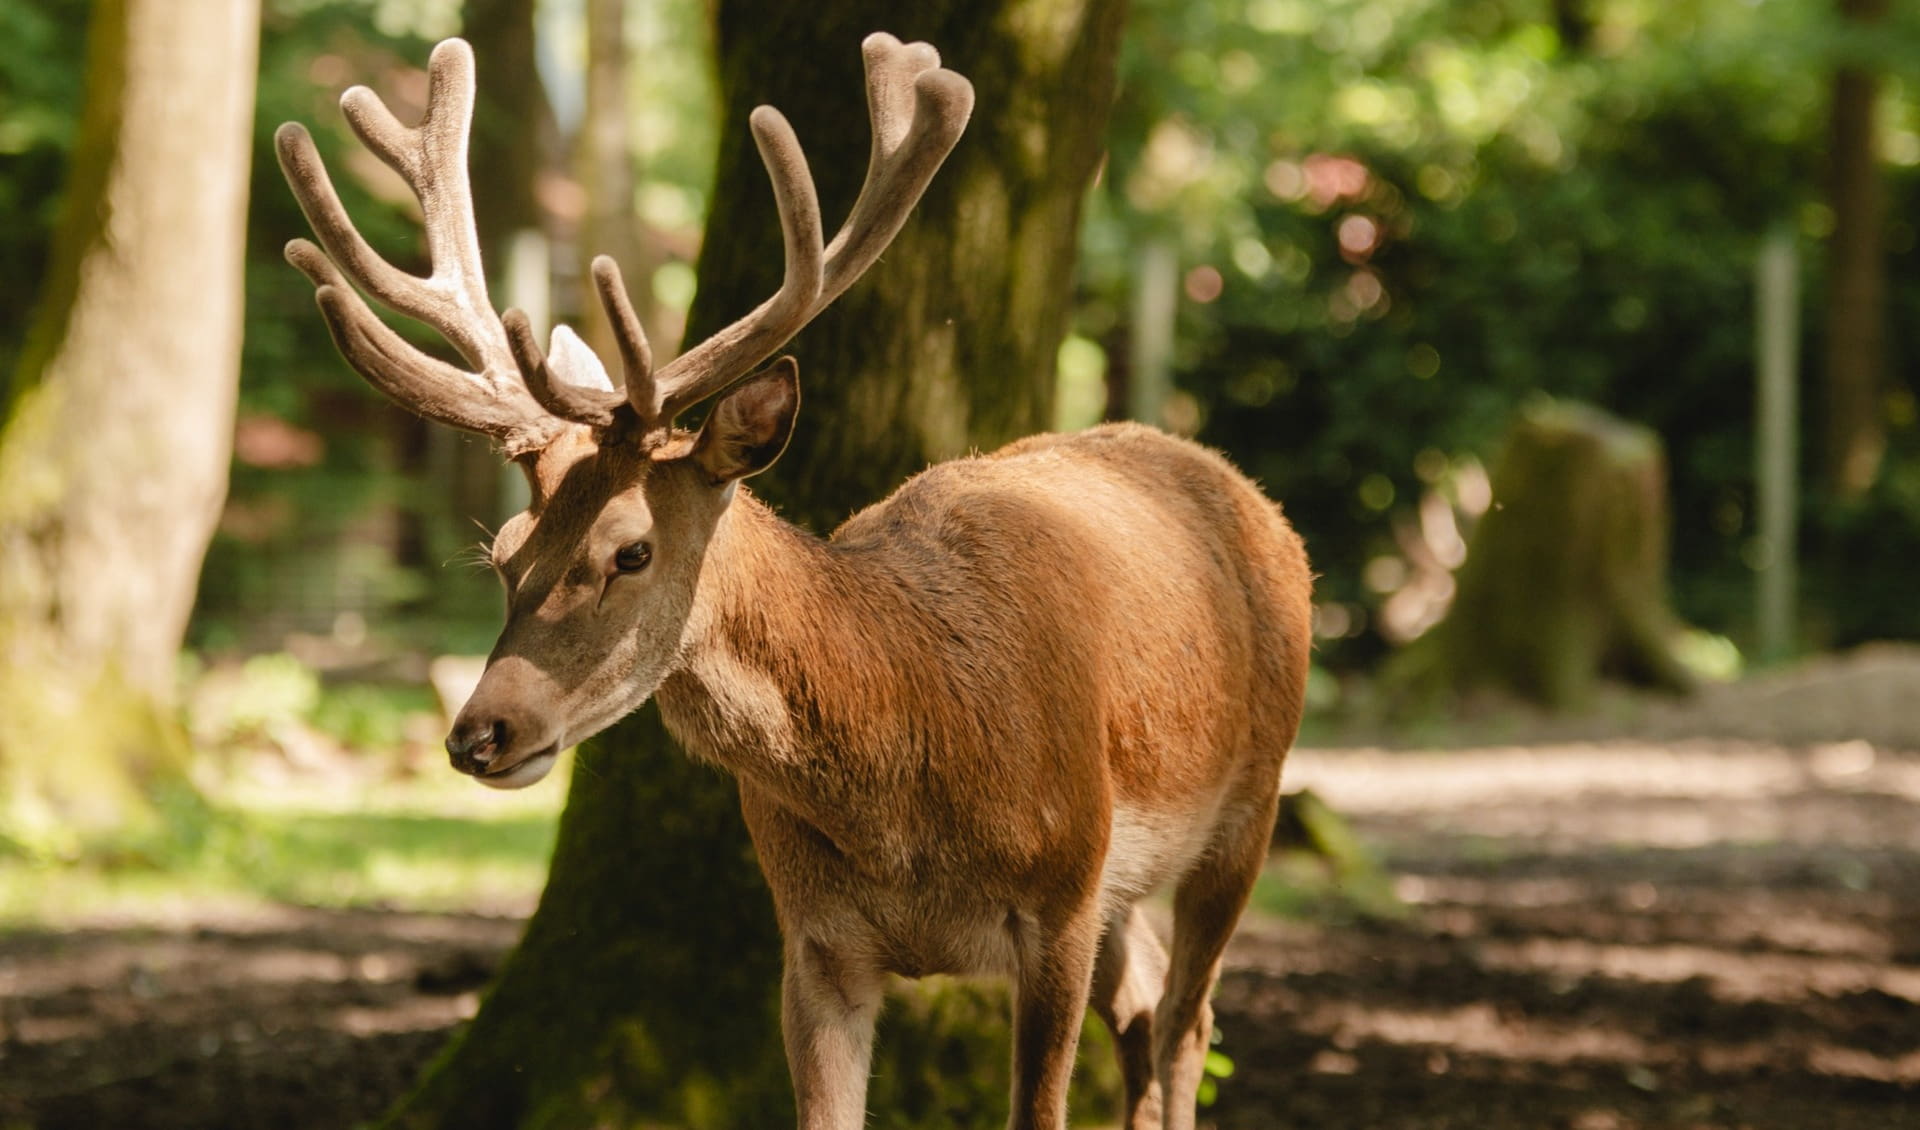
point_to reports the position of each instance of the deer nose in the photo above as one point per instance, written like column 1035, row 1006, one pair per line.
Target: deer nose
column 472, row 746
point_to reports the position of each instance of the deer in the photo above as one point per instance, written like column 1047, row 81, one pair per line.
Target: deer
column 972, row 729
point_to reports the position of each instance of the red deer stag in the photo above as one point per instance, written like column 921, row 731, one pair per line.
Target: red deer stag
column 971, row 729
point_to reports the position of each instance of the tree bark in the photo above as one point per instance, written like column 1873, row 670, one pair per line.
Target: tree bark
column 113, row 461
column 1856, row 277
column 1565, row 579
column 646, row 987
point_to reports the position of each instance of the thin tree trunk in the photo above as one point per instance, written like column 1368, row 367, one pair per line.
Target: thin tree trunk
column 514, row 135
column 646, row 986
column 113, row 463
column 1856, row 277
column 605, row 162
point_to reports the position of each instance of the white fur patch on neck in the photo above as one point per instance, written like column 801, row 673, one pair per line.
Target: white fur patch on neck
column 749, row 709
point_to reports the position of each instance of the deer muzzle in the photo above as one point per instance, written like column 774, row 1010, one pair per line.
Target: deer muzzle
column 504, row 736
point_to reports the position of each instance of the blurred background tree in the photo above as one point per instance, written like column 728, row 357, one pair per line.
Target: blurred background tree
column 1365, row 230
column 117, row 420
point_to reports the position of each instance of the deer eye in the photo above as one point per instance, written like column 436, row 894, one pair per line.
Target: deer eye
column 632, row 557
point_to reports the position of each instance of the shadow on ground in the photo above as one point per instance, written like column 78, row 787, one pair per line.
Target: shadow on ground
column 1662, row 935
column 1600, row 936
column 293, row 1019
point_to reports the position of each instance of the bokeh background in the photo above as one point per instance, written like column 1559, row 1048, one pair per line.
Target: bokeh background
column 1361, row 246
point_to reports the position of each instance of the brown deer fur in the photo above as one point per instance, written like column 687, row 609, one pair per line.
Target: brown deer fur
column 972, row 729
column 979, row 723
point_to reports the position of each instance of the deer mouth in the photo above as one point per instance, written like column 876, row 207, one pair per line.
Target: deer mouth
column 521, row 771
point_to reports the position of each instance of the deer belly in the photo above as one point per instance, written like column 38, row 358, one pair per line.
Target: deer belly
column 922, row 938
column 1146, row 850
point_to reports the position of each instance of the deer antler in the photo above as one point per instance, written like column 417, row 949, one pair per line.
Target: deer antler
column 490, row 398
column 918, row 110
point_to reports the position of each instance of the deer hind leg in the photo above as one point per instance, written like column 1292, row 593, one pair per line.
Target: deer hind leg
column 1206, row 906
column 828, row 1007
column 1128, row 977
column 1052, row 980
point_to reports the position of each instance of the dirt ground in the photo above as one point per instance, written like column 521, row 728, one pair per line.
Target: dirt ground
column 1670, row 932
column 1601, row 936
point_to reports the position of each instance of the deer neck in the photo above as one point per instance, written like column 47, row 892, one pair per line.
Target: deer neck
column 788, row 667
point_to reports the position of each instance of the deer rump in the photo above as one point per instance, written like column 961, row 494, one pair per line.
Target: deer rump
column 1066, row 669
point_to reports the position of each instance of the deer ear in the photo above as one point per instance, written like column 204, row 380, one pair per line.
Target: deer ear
column 749, row 427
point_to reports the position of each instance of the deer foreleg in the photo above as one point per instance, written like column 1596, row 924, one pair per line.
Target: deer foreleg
column 828, row 1008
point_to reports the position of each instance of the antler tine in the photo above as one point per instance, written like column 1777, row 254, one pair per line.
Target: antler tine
column 918, row 113
column 425, row 384
column 313, row 188
column 380, row 131
column 564, row 397
column 578, row 392
column 718, row 361
column 891, row 68
column 636, row 355
column 432, row 159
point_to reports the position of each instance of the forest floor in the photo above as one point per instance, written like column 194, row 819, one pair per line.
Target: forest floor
column 1594, row 933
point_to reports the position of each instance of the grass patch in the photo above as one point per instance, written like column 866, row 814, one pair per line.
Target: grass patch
column 431, row 843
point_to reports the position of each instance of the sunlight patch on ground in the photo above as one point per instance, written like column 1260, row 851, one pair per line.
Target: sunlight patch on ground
column 1679, row 796
column 1734, row 976
column 429, row 841
column 415, row 1014
column 1483, row 1029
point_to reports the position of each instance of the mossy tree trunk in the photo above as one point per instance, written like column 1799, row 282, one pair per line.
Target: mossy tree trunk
column 646, row 987
column 1565, row 578
column 119, row 422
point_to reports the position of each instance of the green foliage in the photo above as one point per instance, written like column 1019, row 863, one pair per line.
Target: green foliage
column 271, row 697
column 1216, row 1067
column 40, row 90
column 1321, row 869
column 371, row 716
column 402, row 851
column 1419, row 212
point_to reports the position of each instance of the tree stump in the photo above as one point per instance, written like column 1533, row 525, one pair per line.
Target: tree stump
column 1565, row 577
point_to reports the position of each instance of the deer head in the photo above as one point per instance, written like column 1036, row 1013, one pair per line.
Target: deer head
column 603, row 569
